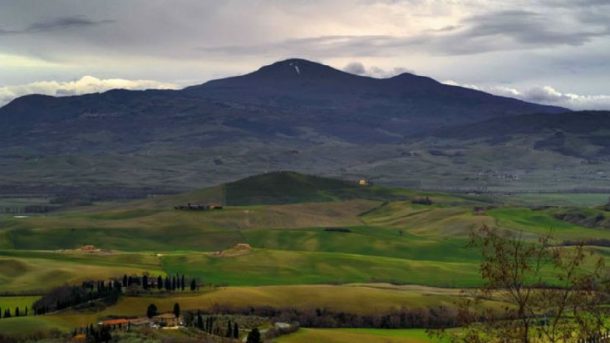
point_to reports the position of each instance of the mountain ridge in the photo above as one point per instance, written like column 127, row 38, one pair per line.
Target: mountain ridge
column 290, row 115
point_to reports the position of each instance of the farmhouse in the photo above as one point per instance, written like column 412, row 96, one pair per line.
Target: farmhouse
column 115, row 323
column 140, row 322
column 198, row 207
column 166, row 319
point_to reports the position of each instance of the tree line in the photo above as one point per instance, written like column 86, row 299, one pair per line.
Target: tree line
column 213, row 326
column 167, row 283
column 16, row 313
column 433, row 317
column 68, row 296
column 108, row 291
column 93, row 334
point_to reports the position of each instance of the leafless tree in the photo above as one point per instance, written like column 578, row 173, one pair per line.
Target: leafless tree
column 532, row 291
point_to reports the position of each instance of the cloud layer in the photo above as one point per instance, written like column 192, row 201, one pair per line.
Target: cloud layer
column 564, row 43
column 546, row 95
column 86, row 84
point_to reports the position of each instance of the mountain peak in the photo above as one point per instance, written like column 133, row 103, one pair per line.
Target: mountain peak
column 297, row 68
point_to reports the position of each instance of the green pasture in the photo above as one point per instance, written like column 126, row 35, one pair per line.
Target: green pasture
column 11, row 302
column 359, row 335
column 282, row 267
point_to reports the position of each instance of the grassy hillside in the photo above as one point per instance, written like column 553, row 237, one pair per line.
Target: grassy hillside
column 27, row 274
column 373, row 299
column 358, row 335
column 11, row 302
column 314, row 243
column 291, row 187
column 345, row 237
column 276, row 267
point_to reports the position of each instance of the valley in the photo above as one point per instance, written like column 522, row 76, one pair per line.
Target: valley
column 288, row 241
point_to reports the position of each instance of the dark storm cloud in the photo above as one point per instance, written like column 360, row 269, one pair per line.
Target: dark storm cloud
column 65, row 23
column 57, row 24
column 576, row 3
column 518, row 30
column 506, row 30
column 326, row 46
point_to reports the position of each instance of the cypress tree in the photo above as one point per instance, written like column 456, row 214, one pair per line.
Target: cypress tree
column 177, row 310
column 159, row 282
column 145, row 281
column 193, row 284
column 17, row 311
column 229, row 330
column 254, row 336
column 182, row 283
column 199, row 321
column 7, row 313
column 235, row 331
column 105, row 335
column 151, row 311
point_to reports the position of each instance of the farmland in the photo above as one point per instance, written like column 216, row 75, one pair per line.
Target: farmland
column 312, row 244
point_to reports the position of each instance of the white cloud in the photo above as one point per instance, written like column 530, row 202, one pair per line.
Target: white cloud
column 358, row 68
column 86, row 84
column 355, row 68
column 546, row 95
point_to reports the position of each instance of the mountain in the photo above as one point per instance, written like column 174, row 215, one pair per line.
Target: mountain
column 290, row 115
column 582, row 134
column 349, row 106
column 277, row 99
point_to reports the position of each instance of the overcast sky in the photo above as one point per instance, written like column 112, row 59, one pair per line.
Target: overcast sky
column 549, row 51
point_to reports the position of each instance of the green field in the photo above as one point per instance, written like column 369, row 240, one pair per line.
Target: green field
column 45, row 271
column 358, row 335
column 350, row 243
column 372, row 299
column 22, row 302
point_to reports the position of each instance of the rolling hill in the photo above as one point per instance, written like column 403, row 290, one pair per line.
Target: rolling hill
column 287, row 241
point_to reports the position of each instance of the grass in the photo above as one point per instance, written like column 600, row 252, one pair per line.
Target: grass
column 540, row 223
column 363, row 240
column 396, row 242
column 11, row 302
column 295, row 260
column 291, row 187
column 32, row 324
column 19, row 274
column 358, row 335
column 372, row 298
column 129, row 229
column 281, row 267
column 558, row 199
